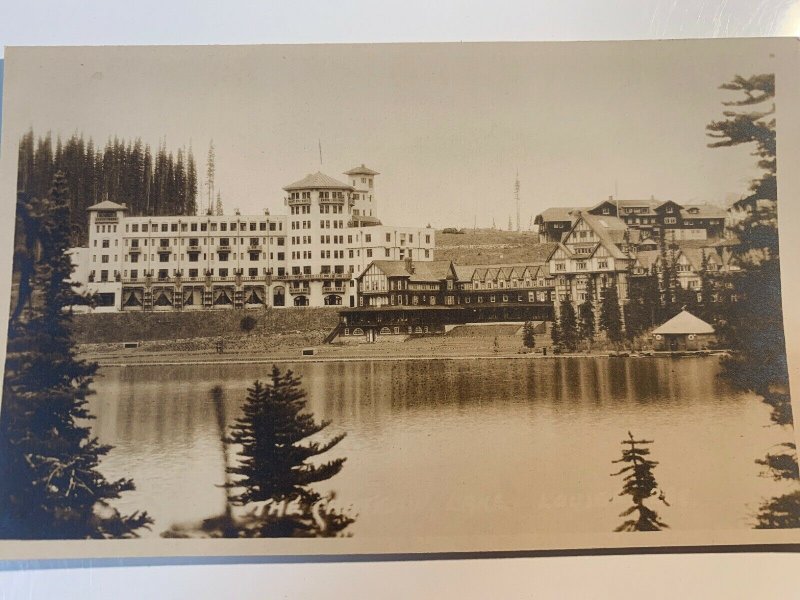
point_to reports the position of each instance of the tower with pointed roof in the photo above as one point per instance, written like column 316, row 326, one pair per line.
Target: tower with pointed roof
column 365, row 203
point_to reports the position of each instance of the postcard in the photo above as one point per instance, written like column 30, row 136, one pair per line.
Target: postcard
column 399, row 298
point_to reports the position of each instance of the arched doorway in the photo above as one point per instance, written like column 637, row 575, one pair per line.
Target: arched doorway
column 300, row 301
column 279, row 296
column 333, row 300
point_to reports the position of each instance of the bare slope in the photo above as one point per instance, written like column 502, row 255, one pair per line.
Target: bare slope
column 486, row 246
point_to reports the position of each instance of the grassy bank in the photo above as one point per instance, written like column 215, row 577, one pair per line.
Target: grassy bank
column 182, row 329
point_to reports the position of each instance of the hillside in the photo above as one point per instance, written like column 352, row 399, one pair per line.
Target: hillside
column 486, row 246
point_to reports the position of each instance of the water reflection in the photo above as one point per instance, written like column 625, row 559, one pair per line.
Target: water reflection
column 457, row 447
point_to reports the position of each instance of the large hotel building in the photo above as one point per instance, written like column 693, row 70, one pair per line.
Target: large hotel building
column 309, row 257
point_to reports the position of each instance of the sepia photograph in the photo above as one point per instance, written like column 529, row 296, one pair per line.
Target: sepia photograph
column 398, row 298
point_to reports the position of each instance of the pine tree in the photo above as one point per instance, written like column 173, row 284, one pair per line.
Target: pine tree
column 51, row 486
column 640, row 484
column 528, row 335
column 274, row 467
column 610, row 314
column 754, row 324
column 568, row 326
column 586, row 324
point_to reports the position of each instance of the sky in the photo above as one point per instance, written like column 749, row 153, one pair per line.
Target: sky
column 448, row 126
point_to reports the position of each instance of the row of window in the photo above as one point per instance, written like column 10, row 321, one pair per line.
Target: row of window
column 165, row 257
column 165, row 242
column 203, row 226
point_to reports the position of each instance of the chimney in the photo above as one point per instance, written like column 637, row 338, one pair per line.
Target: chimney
column 610, row 198
column 409, row 265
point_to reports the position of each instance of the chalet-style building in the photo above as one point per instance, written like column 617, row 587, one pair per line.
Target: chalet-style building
column 653, row 218
column 596, row 248
column 553, row 223
column 410, row 298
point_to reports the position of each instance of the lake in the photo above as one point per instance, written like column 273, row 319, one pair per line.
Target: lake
column 459, row 447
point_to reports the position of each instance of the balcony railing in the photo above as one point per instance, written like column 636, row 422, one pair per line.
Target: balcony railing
column 312, row 276
column 252, row 248
column 193, row 248
column 332, row 289
column 164, row 250
column 135, row 250
column 222, row 248
column 299, row 290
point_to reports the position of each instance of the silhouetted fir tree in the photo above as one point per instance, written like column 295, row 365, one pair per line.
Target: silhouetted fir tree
column 610, row 314
column 640, row 484
column 568, row 326
column 191, row 184
column 555, row 333
column 528, row 335
column 50, row 485
column 668, row 280
column 754, row 323
column 586, row 320
column 707, row 292
column 643, row 304
column 274, row 467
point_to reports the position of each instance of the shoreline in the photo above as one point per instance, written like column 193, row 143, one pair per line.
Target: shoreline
column 171, row 358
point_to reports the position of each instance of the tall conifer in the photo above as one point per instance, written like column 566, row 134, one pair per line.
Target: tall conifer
column 50, row 485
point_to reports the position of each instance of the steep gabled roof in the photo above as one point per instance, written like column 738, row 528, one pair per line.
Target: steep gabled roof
column 647, row 258
column 391, row 268
column 318, row 181
column 684, row 323
column 431, row 270
column 610, row 230
column 563, row 213
column 107, row 205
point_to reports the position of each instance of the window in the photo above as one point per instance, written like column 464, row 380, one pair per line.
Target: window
column 252, row 272
column 134, row 273
column 192, row 272
column 104, row 258
column 163, row 257
column 103, row 275
column 105, row 244
column 223, row 272
column 670, row 220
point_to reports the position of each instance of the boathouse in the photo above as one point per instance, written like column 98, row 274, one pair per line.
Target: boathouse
column 684, row 331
